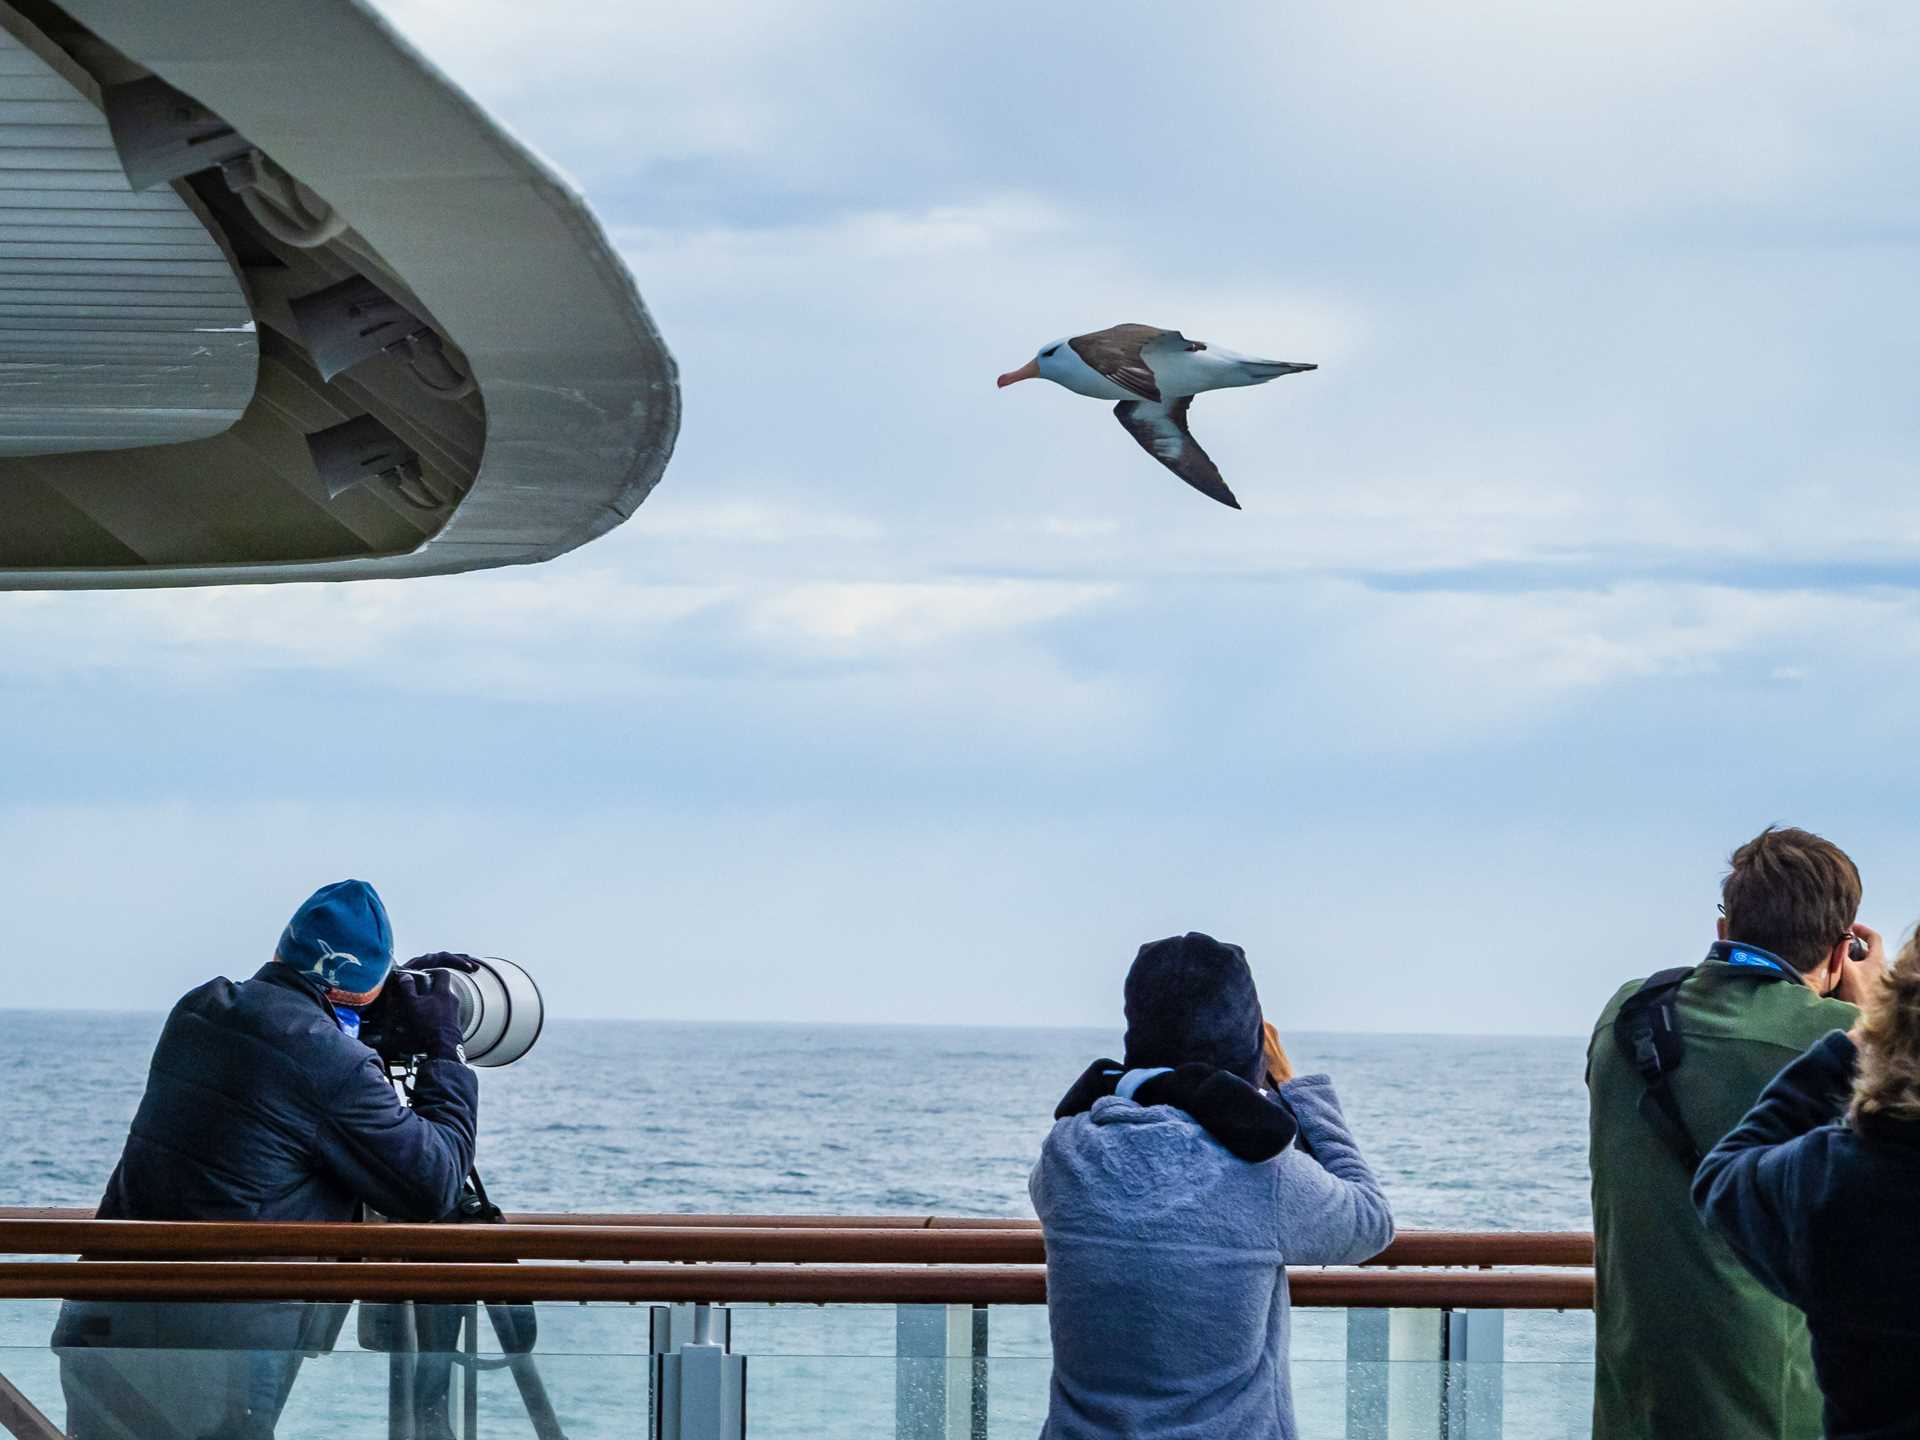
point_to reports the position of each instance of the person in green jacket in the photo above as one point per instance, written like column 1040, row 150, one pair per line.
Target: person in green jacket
column 1688, row 1346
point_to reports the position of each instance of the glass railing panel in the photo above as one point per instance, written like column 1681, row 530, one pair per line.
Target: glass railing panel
column 1018, row 1332
column 1017, row 1396
column 914, row 1373
column 1412, row 1400
column 815, row 1330
column 571, row 1328
column 1549, row 1371
column 531, row 1372
column 187, row 1394
column 1551, row 1398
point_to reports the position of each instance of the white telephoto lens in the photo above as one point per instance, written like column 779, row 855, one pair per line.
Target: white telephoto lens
column 500, row 1011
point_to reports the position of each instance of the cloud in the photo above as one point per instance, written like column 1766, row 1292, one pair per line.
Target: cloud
column 971, row 264
column 753, row 522
column 912, row 616
column 1482, row 653
column 464, row 633
column 1589, row 548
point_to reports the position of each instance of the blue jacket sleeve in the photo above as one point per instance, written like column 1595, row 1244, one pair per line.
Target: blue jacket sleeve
column 1331, row 1208
column 1751, row 1187
column 406, row 1163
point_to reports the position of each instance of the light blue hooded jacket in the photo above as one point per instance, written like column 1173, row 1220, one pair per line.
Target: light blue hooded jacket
column 1166, row 1286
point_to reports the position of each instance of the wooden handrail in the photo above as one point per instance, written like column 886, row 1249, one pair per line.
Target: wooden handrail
column 1413, row 1247
column 775, row 1222
column 707, row 1239
column 798, row 1259
column 156, row 1240
column 202, row 1280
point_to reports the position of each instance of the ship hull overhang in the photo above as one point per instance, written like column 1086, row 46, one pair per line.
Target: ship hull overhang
column 527, row 406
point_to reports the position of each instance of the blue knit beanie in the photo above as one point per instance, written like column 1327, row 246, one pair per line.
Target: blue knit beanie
column 340, row 938
column 1191, row 998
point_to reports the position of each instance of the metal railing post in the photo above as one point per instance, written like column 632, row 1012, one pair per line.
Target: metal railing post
column 402, row 1363
column 978, row 1428
column 699, row 1386
column 1366, row 1375
column 940, row 1372
column 1395, row 1375
column 1475, row 1400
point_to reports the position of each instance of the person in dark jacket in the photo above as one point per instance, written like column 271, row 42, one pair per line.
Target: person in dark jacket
column 1813, row 1190
column 263, row 1104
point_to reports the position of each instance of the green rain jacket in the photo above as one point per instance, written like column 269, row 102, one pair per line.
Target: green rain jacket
column 1688, row 1346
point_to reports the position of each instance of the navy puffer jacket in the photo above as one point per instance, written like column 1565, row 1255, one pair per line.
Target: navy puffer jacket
column 1820, row 1210
column 259, row 1107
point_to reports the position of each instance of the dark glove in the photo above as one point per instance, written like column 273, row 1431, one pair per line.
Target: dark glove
column 443, row 960
column 422, row 1014
column 1095, row 1082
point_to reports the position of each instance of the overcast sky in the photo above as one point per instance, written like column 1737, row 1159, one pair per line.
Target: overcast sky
column 1590, row 549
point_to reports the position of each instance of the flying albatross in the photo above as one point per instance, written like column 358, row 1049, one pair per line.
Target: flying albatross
column 1154, row 374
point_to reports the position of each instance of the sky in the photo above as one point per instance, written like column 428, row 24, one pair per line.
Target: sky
column 1591, row 548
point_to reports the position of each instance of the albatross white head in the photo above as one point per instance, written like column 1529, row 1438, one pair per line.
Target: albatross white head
column 1047, row 365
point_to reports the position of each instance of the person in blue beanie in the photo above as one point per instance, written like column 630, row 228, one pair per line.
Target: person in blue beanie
column 1175, row 1188
column 263, row 1104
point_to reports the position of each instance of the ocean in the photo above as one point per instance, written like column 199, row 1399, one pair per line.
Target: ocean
column 1465, row 1132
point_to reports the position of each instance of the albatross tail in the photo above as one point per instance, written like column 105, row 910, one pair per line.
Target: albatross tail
column 1272, row 369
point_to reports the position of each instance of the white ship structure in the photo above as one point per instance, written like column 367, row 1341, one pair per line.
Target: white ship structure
column 279, row 302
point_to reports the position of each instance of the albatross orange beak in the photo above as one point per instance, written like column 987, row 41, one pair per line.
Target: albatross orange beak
column 1028, row 371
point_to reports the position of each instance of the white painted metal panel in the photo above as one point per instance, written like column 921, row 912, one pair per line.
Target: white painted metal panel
column 121, row 322
column 578, row 399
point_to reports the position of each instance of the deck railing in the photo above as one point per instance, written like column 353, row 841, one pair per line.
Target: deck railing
column 824, row 1259
column 1424, row 1331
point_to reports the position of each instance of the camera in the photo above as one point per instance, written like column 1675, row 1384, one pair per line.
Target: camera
column 501, row 1014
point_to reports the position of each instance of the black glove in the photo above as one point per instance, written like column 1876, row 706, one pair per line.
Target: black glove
column 419, row 1015
column 443, row 960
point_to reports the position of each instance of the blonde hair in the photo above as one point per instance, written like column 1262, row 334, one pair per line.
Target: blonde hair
column 1887, row 1084
column 1275, row 1065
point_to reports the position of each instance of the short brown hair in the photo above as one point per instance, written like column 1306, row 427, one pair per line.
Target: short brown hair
column 1793, row 893
column 1887, row 1086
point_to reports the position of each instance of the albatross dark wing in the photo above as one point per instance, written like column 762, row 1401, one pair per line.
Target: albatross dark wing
column 1161, row 429
column 1116, row 353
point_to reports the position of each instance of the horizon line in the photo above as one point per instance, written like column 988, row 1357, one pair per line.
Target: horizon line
column 883, row 1024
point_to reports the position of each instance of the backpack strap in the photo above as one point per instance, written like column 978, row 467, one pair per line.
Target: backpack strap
column 1648, row 1035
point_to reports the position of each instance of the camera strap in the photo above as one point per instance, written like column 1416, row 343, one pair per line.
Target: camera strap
column 474, row 1206
column 1647, row 1034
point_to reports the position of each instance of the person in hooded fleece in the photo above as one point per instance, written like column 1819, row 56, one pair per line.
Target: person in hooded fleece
column 1175, row 1188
